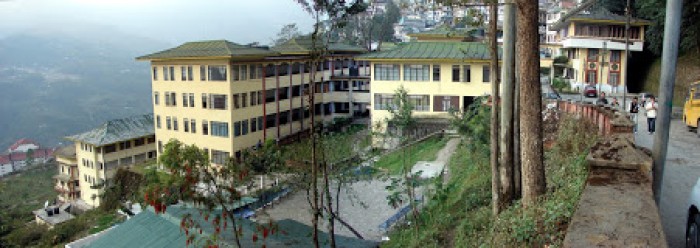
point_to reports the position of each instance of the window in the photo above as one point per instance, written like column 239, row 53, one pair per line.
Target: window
column 420, row 102
column 253, row 98
column 183, row 73
column 383, row 101
column 168, row 123
column 416, row 72
column 173, row 100
column 445, row 103
column 244, row 72
column 283, row 93
column 386, row 72
column 591, row 77
column 436, row 73
column 486, row 73
column 185, row 103
column 205, row 127
column 255, row 71
column 615, row 56
column 202, row 73
column 237, row 129
column 219, row 157
column 156, row 99
column 260, row 123
column 235, row 73
column 175, row 123
column 190, row 75
column 155, row 73
column 172, row 73
column 191, row 100
column 260, row 97
column 219, row 129
column 253, row 124
column 110, row 148
column 193, row 126
column 614, row 78
column 592, row 54
column 270, row 95
column 236, row 102
column 125, row 145
column 244, row 100
column 186, row 125
column 167, row 98
column 466, row 73
column 455, row 73
column 204, row 100
column 217, row 73
column 165, row 73
column 158, row 121
column 160, row 146
column 139, row 142
column 244, row 127
column 219, row 101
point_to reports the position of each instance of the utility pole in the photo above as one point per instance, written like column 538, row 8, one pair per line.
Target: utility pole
column 669, row 58
column 507, row 101
column 627, row 54
column 602, row 63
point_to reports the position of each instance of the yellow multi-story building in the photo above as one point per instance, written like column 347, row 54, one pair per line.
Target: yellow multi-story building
column 593, row 39
column 98, row 154
column 68, row 176
column 225, row 97
column 438, row 75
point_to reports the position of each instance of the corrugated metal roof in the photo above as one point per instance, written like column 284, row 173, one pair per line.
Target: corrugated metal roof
column 148, row 229
column 213, row 48
column 117, row 130
column 304, row 45
column 594, row 11
column 433, row 51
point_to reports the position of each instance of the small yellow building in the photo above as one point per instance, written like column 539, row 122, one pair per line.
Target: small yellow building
column 101, row 151
column 593, row 39
column 226, row 97
column 438, row 75
column 68, row 176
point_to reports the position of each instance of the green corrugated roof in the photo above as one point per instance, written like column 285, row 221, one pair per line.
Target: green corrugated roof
column 148, row 229
column 433, row 51
column 212, row 48
column 593, row 11
column 117, row 130
column 304, row 45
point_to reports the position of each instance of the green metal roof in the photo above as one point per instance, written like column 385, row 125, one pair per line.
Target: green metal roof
column 117, row 130
column 433, row 51
column 148, row 229
column 212, row 48
column 591, row 10
column 304, row 45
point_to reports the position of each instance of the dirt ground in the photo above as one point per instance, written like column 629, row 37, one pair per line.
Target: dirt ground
column 680, row 174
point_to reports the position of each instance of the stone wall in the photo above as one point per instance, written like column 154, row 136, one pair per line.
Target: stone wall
column 617, row 207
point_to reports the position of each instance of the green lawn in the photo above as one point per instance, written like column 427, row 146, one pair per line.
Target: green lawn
column 28, row 190
column 423, row 151
column 335, row 146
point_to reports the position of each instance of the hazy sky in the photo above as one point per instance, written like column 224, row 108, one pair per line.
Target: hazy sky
column 171, row 21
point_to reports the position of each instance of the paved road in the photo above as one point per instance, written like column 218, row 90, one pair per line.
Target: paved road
column 681, row 172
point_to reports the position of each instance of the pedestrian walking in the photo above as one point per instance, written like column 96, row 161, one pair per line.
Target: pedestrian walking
column 634, row 110
column 602, row 100
column 651, row 108
column 614, row 103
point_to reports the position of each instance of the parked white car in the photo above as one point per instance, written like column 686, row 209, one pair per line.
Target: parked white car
column 692, row 230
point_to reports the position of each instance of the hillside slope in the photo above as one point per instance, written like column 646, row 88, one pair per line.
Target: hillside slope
column 687, row 71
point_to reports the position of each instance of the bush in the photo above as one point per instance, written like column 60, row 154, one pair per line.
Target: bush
column 561, row 60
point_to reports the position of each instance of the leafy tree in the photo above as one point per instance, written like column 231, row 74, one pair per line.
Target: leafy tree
column 559, row 83
column 655, row 11
column 126, row 187
column 288, row 32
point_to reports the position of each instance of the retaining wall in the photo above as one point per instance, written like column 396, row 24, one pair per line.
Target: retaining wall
column 617, row 207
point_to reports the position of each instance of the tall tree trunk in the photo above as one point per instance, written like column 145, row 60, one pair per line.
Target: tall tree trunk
column 329, row 205
column 534, row 183
column 507, row 181
column 314, row 162
column 493, row 48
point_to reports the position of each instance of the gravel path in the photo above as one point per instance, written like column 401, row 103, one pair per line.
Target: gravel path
column 681, row 172
column 363, row 205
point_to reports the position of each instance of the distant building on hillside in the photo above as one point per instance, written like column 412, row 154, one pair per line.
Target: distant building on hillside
column 22, row 152
column 98, row 154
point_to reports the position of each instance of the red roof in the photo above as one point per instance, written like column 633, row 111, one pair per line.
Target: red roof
column 4, row 159
column 20, row 142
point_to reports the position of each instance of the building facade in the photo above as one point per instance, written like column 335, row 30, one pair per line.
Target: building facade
column 593, row 39
column 98, row 154
column 438, row 75
column 225, row 97
column 68, row 176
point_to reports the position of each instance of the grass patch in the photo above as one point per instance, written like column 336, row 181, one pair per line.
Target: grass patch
column 27, row 191
column 459, row 213
column 422, row 151
column 334, row 146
